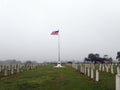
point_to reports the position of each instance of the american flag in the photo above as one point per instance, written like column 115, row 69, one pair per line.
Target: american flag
column 54, row 32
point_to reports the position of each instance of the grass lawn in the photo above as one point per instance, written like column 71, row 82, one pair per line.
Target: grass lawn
column 50, row 78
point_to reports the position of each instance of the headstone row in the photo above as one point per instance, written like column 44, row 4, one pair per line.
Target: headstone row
column 6, row 70
column 88, row 70
column 93, row 72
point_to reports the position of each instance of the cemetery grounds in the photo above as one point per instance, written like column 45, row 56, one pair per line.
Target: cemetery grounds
column 47, row 77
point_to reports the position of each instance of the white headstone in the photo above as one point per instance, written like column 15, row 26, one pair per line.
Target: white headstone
column 100, row 67
column 15, row 66
column 107, row 70
column 0, row 69
column 103, row 68
column 97, row 75
column 85, row 70
column 12, row 70
column 9, row 67
column 92, row 73
column 118, row 82
column 3, row 67
column 81, row 68
column 118, row 70
column 112, row 69
column 76, row 66
column 18, row 70
column 88, row 72
column 5, row 72
column 108, row 66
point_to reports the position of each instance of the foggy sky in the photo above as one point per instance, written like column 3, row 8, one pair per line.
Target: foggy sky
column 86, row 26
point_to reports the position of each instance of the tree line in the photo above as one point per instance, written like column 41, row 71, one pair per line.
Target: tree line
column 96, row 58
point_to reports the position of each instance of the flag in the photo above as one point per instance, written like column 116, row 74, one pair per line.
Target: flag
column 55, row 33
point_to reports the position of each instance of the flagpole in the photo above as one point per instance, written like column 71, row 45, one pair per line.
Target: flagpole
column 59, row 61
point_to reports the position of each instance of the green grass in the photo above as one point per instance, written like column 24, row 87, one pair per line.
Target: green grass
column 50, row 78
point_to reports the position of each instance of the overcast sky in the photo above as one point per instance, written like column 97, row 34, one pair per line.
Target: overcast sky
column 86, row 26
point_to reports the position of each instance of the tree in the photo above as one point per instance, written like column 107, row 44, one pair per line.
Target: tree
column 95, row 58
column 118, row 56
column 105, row 56
column 97, row 55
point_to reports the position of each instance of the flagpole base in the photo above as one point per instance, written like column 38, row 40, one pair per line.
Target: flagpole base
column 58, row 66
